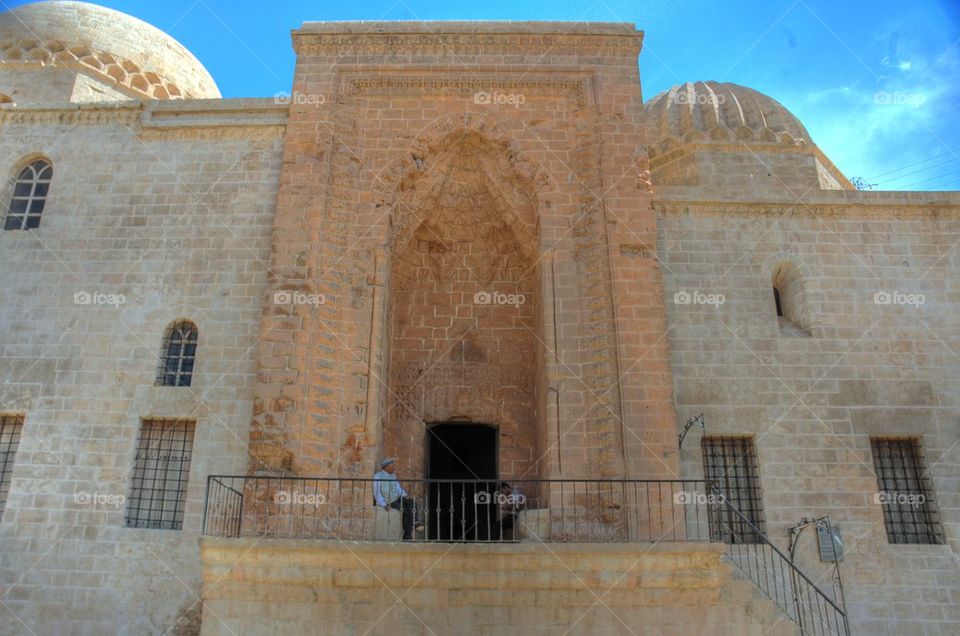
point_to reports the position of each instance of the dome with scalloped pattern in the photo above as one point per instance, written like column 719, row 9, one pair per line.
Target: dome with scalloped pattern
column 121, row 52
column 720, row 111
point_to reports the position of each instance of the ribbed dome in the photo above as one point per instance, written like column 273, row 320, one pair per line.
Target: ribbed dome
column 716, row 110
column 112, row 46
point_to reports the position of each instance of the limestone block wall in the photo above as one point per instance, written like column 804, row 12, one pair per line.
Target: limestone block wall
column 868, row 367
column 155, row 213
column 260, row 587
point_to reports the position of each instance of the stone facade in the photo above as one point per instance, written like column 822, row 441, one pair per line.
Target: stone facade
column 476, row 224
column 376, row 161
column 173, row 216
column 812, row 401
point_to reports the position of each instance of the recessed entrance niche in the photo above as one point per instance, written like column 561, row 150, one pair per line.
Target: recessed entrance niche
column 464, row 298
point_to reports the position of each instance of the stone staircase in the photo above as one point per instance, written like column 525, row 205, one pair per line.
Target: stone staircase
column 274, row 586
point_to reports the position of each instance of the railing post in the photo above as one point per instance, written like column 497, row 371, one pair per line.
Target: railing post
column 206, row 506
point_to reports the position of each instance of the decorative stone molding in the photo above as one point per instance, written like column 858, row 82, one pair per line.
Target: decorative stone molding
column 858, row 209
column 463, row 39
column 386, row 187
column 108, row 67
column 466, row 87
column 184, row 118
column 126, row 113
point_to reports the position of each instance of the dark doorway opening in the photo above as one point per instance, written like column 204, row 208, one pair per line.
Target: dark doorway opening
column 459, row 510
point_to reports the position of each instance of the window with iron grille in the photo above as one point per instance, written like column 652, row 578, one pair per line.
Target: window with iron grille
column 179, row 354
column 158, row 491
column 10, row 427
column 909, row 510
column 731, row 464
column 29, row 196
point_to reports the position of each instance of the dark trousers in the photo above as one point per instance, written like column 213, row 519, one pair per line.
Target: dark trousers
column 506, row 525
column 407, row 508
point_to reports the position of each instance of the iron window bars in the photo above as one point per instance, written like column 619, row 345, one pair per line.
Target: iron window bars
column 909, row 511
column 29, row 196
column 158, row 491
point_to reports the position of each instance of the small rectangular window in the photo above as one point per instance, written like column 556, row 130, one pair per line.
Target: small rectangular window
column 731, row 464
column 158, row 492
column 10, row 427
column 905, row 491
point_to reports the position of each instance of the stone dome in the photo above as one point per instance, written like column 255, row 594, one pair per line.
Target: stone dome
column 122, row 52
column 720, row 111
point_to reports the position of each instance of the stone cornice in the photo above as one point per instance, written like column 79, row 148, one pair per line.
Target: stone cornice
column 204, row 119
column 915, row 204
column 453, row 38
column 87, row 113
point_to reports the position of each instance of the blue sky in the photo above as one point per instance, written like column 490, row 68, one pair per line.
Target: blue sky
column 876, row 82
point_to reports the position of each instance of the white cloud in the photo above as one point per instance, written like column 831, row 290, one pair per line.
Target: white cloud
column 878, row 125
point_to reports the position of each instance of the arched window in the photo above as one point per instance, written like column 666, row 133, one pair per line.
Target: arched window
column 178, row 355
column 29, row 195
column 790, row 301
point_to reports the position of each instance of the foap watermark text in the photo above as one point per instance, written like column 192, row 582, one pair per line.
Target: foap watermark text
column 97, row 298
column 498, row 298
column 294, row 498
column 96, row 499
column 297, row 298
column 891, row 498
column 495, row 98
column 687, row 498
column 300, row 99
column 898, row 298
column 696, row 297
column 484, row 498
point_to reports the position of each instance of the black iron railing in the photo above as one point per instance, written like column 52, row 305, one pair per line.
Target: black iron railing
column 546, row 510
column 775, row 575
column 570, row 510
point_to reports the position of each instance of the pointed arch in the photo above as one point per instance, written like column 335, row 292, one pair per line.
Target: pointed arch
column 463, row 290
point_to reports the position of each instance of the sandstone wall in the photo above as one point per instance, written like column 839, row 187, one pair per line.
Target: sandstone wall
column 371, row 120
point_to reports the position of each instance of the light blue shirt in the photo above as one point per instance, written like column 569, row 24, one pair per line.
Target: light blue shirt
column 387, row 488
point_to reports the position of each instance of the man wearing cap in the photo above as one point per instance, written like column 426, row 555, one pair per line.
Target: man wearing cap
column 388, row 493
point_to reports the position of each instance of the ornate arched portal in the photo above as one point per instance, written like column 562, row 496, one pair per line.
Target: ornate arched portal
column 464, row 325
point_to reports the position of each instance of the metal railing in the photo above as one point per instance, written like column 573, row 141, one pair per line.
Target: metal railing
column 569, row 510
column 547, row 510
column 775, row 575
